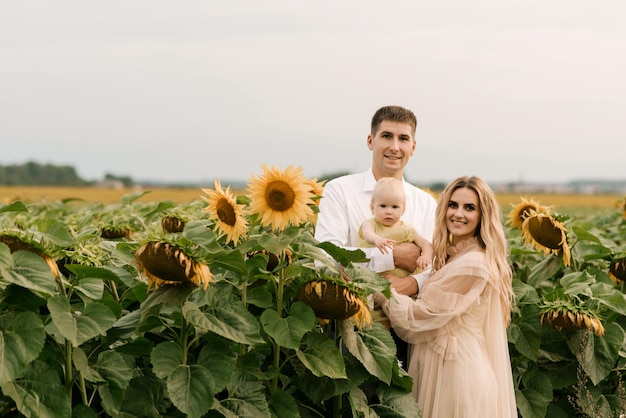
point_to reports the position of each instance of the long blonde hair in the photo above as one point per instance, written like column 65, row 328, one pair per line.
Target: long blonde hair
column 490, row 235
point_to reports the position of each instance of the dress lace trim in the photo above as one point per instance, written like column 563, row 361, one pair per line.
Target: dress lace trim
column 462, row 247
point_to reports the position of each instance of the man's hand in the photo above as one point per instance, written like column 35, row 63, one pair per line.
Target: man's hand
column 405, row 255
column 403, row 285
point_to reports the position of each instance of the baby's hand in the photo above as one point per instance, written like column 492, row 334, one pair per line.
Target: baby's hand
column 383, row 244
column 423, row 262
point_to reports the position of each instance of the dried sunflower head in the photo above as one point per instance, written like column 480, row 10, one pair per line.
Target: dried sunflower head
column 332, row 300
column 546, row 234
column 617, row 269
column 165, row 263
column 567, row 314
column 115, row 232
column 522, row 210
column 173, row 223
column 21, row 242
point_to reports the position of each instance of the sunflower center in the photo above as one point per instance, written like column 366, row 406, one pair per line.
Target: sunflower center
column 618, row 269
column 226, row 212
column 545, row 233
column 525, row 212
column 279, row 196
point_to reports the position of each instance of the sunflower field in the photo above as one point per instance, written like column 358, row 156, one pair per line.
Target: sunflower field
column 227, row 306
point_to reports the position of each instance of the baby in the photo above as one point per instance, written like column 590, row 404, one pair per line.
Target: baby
column 386, row 228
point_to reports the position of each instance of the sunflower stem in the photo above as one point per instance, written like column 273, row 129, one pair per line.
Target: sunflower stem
column 68, row 369
column 280, row 288
column 184, row 340
column 113, row 285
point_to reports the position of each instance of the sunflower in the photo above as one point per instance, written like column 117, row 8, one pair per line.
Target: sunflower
column 617, row 270
column 331, row 300
column 173, row 223
column 546, row 234
column 522, row 210
column 15, row 242
column 317, row 188
column 227, row 213
column 566, row 314
column 280, row 197
column 165, row 263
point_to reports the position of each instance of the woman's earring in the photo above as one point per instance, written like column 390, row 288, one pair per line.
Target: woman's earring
column 450, row 238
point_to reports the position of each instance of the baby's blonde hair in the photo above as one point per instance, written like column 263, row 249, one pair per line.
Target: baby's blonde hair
column 386, row 184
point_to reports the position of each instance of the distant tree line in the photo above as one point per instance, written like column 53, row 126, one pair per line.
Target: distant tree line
column 36, row 174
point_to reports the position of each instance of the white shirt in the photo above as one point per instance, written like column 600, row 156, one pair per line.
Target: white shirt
column 345, row 204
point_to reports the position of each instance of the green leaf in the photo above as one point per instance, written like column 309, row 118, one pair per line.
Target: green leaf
column 90, row 289
column 131, row 197
column 322, row 357
column 168, row 295
column 525, row 331
column 39, row 393
column 165, row 358
column 83, row 411
column 191, row 389
column 343, row 256
column 577, row 283
column 282, row 404
column 28, row 270
column 78, row 327
column 143, row 397
column 117, row 372
column 524, row 293
column 225, row 315
column 259, row 296
column 247, row 398
column 533, row 400
column 16, row 206
column 82, row 271
column 217, row 355
column 81, row 362
column 228, row 260
column 320, row 389
column 394, row 403
column 287, row 332
column 597, row 355
column 373, row 347
column 359, row 404
column 610, row 297
column 22, row 338
column 56, row 231
column 544, row 271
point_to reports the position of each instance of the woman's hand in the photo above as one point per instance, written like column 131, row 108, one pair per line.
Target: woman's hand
column 403, row 285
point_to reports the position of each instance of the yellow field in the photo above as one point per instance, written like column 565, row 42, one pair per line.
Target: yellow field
column 187, row 195
column 94, row 194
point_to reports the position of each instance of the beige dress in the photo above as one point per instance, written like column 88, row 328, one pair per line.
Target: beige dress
column 459, row 358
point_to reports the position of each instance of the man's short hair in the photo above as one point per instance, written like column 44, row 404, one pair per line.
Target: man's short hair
column 393, row 114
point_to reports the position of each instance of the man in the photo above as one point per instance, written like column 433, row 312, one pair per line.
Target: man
column 345, row 202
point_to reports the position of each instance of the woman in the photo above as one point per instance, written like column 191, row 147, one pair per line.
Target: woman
column 459, row 357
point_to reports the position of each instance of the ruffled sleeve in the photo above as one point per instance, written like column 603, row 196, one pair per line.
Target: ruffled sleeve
column 446, row 294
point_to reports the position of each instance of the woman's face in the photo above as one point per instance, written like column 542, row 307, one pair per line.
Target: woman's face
column 463, row 214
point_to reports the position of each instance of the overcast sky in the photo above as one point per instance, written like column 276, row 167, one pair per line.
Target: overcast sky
column 524, row 90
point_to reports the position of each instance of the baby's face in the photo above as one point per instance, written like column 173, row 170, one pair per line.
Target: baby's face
column 388, row 208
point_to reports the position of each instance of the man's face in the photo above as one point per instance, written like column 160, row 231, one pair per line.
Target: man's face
column 392, row 146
